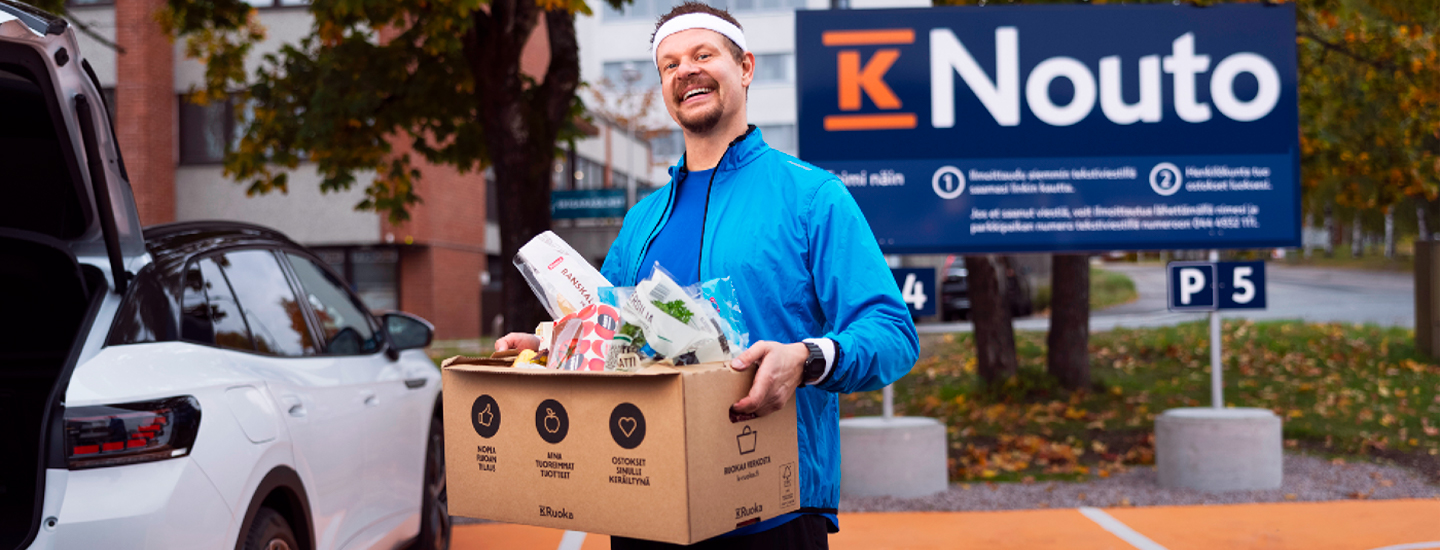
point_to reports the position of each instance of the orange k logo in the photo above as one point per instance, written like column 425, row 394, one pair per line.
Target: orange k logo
column 868, row 78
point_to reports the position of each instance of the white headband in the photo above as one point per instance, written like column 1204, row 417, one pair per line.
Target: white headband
column 696, row 21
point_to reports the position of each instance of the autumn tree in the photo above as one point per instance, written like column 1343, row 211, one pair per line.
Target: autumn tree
column 378, row 83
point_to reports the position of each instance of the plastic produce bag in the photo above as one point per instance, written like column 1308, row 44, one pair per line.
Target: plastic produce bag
column 559, row 276
column 695, row 324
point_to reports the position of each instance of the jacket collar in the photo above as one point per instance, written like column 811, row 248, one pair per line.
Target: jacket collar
column 744, row 150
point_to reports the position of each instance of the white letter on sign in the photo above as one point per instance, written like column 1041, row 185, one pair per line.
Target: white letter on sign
column 1001, row 97
column 1184, row 64
column 1242, row 282
column 1191, row 281
column 1037, row 91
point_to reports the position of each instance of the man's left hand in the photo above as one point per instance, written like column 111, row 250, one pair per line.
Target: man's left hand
column 779, row 370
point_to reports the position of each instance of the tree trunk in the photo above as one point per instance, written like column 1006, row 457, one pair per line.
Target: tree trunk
column 1068, row 355
column 1421, row 222
column 1390, row 232
column 1357, row 238
column 990, row 313
column 534, row 110
column 1329, row 231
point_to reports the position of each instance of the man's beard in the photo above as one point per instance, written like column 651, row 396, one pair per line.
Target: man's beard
column 703, row 122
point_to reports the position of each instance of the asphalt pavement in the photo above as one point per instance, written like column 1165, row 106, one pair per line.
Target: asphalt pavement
column 1302, row 293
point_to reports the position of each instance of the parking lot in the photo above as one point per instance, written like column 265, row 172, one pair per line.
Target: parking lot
column 1337, row 525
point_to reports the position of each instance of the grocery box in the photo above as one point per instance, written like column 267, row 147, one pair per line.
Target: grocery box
column 652, row 454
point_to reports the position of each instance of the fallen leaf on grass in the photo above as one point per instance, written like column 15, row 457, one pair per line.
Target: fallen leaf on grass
column 1291, row 496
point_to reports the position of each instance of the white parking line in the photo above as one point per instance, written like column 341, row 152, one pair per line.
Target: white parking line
column 1109, row 523
column 1413, row 546
column 572, row 540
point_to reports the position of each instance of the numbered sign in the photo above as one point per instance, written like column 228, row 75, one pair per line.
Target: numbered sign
column 1207, row 286
column 917, row 289
column 1241, row 285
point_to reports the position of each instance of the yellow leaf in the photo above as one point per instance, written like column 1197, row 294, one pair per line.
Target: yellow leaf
column 989, row 473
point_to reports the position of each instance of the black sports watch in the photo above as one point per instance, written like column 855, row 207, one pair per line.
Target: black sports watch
column 814, row 364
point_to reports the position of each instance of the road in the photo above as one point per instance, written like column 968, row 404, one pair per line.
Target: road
column 1337, row 525
column 1304, row 293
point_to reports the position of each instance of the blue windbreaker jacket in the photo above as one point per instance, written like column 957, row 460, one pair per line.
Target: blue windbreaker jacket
column 804, row 265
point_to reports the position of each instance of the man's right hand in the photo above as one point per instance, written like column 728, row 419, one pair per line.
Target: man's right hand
column 518, row 340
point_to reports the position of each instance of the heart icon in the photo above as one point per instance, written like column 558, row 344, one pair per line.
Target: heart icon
column 627, row 425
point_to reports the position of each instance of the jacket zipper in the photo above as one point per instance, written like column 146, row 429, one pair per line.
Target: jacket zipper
column 669, row 206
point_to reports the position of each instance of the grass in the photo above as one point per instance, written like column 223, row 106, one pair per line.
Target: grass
column 1107, row 288
column 1342, row 390
column 441, row 350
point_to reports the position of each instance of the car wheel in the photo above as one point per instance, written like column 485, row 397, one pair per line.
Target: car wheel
column 435, row 509
column 270, row 531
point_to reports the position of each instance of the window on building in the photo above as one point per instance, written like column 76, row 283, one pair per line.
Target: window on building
column 588, row 173
column 774, row 68
column 667, row 146
column 373, row 273
column 780, row 136
column 273, row 313
column 207, row 132
column 651, row 9
column 343, row 323
column 619, row 74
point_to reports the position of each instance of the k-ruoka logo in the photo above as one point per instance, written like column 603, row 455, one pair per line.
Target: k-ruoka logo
column 860, row 77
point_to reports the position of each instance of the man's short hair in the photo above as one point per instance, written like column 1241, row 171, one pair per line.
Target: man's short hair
column 697, row 7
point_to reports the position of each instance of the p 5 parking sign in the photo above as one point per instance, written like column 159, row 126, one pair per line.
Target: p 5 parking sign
column 1056, row 128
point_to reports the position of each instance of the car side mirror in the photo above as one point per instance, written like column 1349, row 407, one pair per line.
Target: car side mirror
column 408, row 331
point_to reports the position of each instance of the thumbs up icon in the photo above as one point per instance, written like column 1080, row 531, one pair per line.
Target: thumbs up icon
column 485, row 416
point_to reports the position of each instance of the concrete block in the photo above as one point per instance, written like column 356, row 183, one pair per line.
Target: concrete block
column 903, row 457
column 1219, row 449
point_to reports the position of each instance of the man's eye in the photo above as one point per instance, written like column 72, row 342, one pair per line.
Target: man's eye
column 671, row 65
column 703, row 56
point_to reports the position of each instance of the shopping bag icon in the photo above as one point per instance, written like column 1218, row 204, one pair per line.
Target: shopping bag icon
column 746, row 440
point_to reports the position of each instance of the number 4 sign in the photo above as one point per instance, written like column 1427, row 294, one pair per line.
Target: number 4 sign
column 917, row 289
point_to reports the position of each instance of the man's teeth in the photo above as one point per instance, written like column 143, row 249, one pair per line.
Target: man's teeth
column 696, row 91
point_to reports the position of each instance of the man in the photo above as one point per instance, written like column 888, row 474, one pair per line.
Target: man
column 813, row 288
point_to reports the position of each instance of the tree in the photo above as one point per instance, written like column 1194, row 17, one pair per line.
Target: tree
column 990, row 312
column 1067, row 353
column 380, row 81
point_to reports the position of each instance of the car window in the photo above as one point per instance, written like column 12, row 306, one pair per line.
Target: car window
column 343, row 321
column 209, row 312
column 276, row 319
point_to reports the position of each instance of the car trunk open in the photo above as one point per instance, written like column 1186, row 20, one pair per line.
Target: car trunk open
column 54, row 243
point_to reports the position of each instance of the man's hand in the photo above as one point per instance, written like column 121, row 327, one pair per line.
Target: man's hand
column 518, row 340
column 780, row 368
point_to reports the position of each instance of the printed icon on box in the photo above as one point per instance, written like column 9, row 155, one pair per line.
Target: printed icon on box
column 627, row 425
column 746, row 440
column 551, row 421
column 485, row 416
column 786, row 473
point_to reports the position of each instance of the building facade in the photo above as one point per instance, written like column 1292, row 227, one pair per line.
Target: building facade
column 443, row 264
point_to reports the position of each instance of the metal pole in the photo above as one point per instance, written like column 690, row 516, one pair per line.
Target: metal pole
column 1217, row 386
column 887, row 402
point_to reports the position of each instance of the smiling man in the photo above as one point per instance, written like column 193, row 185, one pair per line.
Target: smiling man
column 814, row 290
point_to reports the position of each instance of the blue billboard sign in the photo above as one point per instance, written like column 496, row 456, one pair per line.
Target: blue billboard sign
column 1207, row 286
column 1057, row 128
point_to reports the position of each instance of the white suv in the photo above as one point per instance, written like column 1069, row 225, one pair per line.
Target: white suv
column 197, row 385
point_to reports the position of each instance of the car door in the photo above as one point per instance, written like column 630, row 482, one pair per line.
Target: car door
column 394, row 445
column 328, row 401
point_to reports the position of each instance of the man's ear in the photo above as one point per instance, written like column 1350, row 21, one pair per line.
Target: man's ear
column 747, row 69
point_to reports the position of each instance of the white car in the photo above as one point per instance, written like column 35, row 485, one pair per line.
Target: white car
column 194, row 385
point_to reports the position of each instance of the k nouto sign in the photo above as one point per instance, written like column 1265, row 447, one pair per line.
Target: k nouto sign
column 1057, row 128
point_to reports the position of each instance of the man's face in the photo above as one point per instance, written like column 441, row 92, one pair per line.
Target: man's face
column 702, row 83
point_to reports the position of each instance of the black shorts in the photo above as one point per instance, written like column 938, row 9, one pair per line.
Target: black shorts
column 807, row 532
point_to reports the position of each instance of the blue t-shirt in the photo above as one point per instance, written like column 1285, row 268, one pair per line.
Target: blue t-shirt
column 677, row 247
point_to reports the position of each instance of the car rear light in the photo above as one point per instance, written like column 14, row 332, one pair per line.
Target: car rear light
column 128, row 433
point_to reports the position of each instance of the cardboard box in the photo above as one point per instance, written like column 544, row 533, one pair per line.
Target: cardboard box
column 651, row 455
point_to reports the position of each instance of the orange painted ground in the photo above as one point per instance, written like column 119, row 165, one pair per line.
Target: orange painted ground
column 1344, row 525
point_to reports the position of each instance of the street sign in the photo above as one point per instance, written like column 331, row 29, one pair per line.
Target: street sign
column 917, row 289
column 1057, row 128
column 587, row 203
column 1192, row 286
column 1210, row 286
